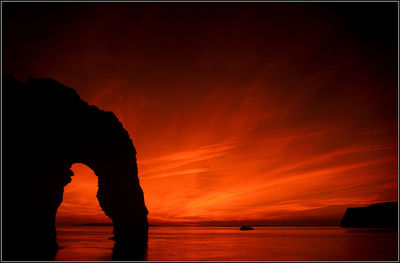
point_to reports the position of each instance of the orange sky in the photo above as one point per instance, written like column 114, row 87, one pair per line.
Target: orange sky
column 239, row 112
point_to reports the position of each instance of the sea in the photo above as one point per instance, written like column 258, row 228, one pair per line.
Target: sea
column 93, row 243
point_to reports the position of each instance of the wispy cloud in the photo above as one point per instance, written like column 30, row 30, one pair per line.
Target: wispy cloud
column 183, row 172
column 157, row 167
column 202, row 153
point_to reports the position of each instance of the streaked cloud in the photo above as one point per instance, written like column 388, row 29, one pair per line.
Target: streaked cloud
column 238, row 114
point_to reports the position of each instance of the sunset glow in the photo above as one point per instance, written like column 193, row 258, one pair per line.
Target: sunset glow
column 270, row 114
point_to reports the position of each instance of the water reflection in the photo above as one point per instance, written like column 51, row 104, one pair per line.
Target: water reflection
column 371, row 230
column 123, row 251
column 32, row 253
column 231, row 244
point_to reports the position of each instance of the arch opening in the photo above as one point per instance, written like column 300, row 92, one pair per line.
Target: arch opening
column 80, row 205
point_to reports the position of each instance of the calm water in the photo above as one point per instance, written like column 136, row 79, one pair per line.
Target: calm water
column 228, row 243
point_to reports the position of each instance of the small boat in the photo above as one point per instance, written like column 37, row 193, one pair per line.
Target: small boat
column 246, row 228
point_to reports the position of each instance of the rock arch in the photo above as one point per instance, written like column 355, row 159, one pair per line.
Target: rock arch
column 47, row 128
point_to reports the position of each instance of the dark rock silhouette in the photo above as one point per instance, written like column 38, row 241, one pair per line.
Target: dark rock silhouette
column 246, row 228
column 376, row 215
column 46, row 129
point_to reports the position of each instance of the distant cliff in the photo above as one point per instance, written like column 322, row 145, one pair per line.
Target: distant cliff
column 376, row 215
